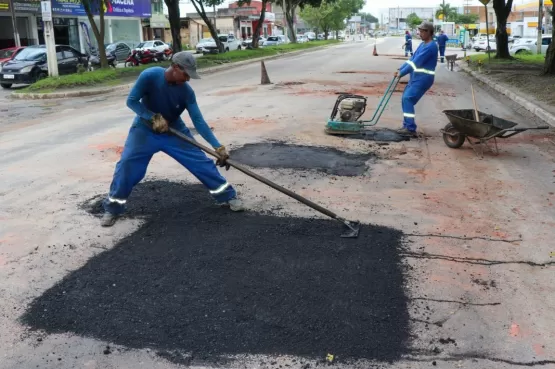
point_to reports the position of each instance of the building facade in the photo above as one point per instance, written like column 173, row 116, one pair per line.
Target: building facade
column 71, row 24
column 397, row 17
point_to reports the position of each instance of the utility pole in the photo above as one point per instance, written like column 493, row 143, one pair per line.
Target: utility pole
column 14, row 23
column 540, row 18
column 46, row 9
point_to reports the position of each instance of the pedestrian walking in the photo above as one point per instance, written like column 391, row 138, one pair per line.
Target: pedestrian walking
column 442, row 43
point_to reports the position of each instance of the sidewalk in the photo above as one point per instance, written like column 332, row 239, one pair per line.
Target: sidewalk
column 544, row 112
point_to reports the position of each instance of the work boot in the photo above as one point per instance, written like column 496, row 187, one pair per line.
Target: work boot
column 405, row 132
column 234, row 204
column 108, row 219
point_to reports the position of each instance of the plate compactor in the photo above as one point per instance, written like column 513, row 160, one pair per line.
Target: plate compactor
column 348, row 109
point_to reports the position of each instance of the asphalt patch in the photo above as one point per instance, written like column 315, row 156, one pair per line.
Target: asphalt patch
column 379, row 135
column 322, row 159
column 198, row 282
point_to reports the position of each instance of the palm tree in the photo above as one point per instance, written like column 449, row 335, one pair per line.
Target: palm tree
column 446, row 11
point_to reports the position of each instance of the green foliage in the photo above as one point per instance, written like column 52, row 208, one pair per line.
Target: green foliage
column 466, row 18
column 413, row 20
column 447, row 11
column 367, row 17
column 330, row 16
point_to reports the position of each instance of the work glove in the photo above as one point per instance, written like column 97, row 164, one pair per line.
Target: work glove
column 396, row 74
column 222, row 152
column 159, row 124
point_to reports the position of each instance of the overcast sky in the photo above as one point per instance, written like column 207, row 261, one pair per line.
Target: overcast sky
column 370, row 7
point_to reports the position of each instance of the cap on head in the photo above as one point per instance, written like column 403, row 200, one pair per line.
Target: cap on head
column 427, row 26
column 187, row 62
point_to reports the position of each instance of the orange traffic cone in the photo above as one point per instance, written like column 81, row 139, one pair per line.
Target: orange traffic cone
column 375, row 53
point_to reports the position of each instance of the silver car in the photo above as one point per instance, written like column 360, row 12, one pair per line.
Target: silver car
column 201, row 46
column 275, row 40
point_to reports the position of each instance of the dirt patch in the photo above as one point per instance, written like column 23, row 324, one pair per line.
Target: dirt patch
column 364, row 89
column 379, row 135
column 441, row 92
column 363, row 72
column 241, row 122
column 202, row 282
column 527, row 81
column 291, row 83
column 323, row 159
column 233, row 91
column 108, row 148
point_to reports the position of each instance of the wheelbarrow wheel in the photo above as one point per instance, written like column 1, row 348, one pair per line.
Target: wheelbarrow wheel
column 452, row 138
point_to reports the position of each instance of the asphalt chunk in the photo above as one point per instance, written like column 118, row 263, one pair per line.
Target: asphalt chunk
column 322, row 159
column 202, row 280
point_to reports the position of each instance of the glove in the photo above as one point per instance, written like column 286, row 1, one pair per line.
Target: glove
column 159, row 124
column 223, row 157
column 396, row 74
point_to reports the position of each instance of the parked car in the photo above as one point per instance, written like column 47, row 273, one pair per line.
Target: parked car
column 202, row 44
column 120, row 49
column 482, row 44
column 9, row 53
column 311, row 36
column 229, row 41
column 275, row 40
column 302, row 39
column 248, row 42
column 152, row 45
column 30, row 65
column 530, row 45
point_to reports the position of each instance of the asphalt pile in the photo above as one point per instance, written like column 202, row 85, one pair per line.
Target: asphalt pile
column 200, row 279
column 322, row 159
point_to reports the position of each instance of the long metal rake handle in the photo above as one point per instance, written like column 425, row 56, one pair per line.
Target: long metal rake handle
column 262, row 179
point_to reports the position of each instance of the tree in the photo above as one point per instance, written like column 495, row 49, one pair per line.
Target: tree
column 258, row 29
column 367, row 17
column 199, row 7
column 502, row 10
column 466, row 18
column 291, row 9
column 330, row 16
column 446, row 12
column 93, row 7
column 413, row 20
column 549, row 64
column 175, row 23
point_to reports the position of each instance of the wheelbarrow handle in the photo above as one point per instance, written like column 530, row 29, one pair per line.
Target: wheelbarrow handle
column 526, row 129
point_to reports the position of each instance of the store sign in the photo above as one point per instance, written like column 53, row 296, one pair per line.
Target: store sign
column 21, row 6
column 119, row 8
column 46, row 11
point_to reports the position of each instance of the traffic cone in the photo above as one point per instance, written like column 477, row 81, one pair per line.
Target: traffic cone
column 264, row 80
column 375, row 53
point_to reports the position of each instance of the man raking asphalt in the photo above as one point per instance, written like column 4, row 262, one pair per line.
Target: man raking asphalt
column 158, row 98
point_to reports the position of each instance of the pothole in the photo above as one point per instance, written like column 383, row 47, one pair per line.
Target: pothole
column 380, row 135
column 322, row 159
column 291, row 83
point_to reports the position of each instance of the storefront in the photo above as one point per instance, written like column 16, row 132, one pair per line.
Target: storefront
column 25, row 11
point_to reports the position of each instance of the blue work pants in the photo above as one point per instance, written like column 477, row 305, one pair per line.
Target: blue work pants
column 441, row 52
column 408, row 49
column 141, row 144
column 411, row 95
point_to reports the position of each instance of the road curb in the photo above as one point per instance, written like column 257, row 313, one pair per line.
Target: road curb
column 543, row 114
column 126, row 87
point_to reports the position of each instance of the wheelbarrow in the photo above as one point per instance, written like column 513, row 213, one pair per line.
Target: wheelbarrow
column 463, row 126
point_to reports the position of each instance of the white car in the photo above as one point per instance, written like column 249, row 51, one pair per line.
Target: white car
column 275, row 40
column 202, row 43
column 302, row 39
column 229, row 41
column 529, row 45
column 152, row 45
column 482, row 44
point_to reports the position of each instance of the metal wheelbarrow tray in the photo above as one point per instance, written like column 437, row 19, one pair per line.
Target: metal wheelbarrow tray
column 463, row 126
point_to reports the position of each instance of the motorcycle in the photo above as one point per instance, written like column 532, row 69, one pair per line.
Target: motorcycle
column 94, row 60
column 168, row 54
column 142, row 57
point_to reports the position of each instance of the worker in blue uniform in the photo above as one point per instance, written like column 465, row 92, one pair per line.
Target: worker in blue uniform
column 442, row 43
column 408, row 43
column 421, row 67
column 158, row 98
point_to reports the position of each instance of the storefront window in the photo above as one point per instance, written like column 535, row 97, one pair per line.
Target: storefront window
column 126, row 30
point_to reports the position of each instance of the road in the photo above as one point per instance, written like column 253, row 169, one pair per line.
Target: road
column 478, row 233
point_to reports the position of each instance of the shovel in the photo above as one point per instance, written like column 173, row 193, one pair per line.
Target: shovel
column 351, row 229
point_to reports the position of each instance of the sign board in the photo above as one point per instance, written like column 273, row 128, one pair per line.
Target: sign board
column 46, row 11
column 462, row 35
column 120, row 8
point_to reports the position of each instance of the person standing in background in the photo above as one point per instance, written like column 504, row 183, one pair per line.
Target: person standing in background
column 442, row 43
column 408, row 43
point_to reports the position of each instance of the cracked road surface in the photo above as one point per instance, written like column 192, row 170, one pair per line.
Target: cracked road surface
column 479, row 232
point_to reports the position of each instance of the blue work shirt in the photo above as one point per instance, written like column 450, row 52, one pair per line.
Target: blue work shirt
column 408, row 38
column 442, row 40
column 152, row 94
column 422, row 64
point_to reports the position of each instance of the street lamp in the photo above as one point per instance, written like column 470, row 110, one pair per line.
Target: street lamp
column 486, row 2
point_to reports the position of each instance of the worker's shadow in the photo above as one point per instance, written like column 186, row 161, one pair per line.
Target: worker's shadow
column 201, row 285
